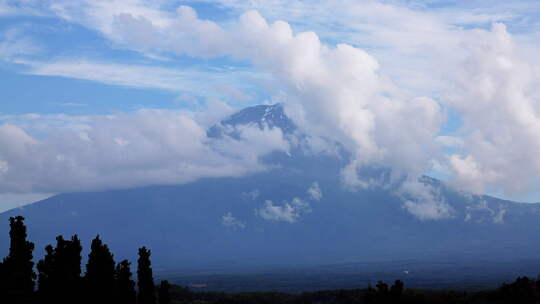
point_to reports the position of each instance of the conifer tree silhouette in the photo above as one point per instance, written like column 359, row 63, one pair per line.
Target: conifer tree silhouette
column 164, row 295
column 125, row 286
column 16, row 271
column 99, row 279
column 60, row 272
column 147, row 294
column 46, row 275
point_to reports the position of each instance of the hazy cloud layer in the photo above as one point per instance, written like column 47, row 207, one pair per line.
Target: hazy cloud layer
column 125, row 150
column 139, row 76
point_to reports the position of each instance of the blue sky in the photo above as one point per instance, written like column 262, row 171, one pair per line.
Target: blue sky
column 50, row 39
column 461, row 67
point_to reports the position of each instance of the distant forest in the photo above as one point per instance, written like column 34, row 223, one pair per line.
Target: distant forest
column 59, row 279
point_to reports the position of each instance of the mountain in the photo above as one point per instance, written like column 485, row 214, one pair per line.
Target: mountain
column 295, row 214
column 269, row 116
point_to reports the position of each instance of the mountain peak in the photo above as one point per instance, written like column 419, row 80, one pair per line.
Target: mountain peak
column 264, row 116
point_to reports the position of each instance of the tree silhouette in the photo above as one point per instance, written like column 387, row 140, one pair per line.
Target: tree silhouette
column 382, row 287
column 3, row 281
column 163, row 293
column 125, row 286
column 46, row 275
column 60, row 272
column 145, row 278
column 99, row 279
column 17, row 270
column 397, row 289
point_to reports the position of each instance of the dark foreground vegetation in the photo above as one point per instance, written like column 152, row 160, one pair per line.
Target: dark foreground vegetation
column 59, row 279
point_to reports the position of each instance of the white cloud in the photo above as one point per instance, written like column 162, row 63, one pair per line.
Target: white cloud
column 481, row 212
column 125, row 150
column 334, row 93
column 271, row 212
column 116, row 74
column 271, row 140
column 228, row 220
column 301, row 206
column 315, row 192
column 407, row 38
column 23, row 8
column 499, row 216
column 288, row 212
column 414, row 43
column 338, row 93
column 139, row 76
column 450, row 141
column 428, row 210
column 14, row 44
column 497, row 97
column 331, row 92
column 423, row 201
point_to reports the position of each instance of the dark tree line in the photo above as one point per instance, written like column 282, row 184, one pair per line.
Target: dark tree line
column 60, row 278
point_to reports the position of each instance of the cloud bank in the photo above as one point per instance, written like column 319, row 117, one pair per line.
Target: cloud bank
column 330, row 92
column 126, row 150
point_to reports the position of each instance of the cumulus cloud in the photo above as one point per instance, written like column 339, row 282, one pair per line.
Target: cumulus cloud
column 497, row 98
column 125, row 150
column 288, row 212
column 330, row 92
column 291, row 211
column 271, row 212
column 228, row 220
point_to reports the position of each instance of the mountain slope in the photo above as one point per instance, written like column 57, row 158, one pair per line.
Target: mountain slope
column 297, row 214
